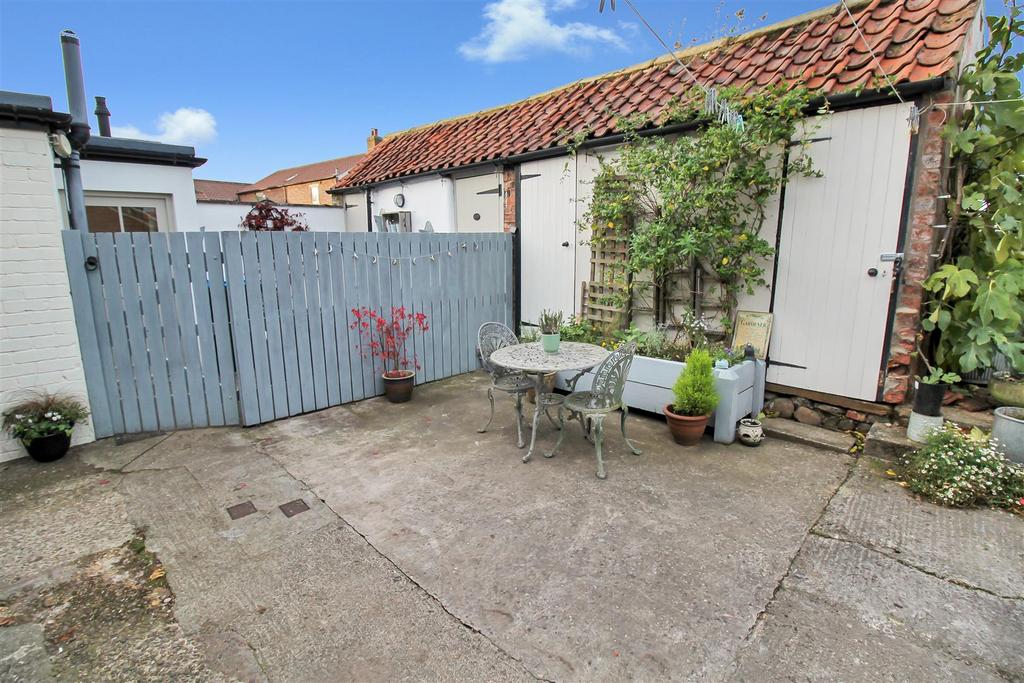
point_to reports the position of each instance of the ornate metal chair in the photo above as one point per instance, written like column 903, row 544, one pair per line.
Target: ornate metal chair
column 604, row 397
column 490, row 338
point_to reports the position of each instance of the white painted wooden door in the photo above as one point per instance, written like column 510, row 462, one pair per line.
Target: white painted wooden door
column 548, row 223
column 355, row 211
column 478, row 203
column 831, row 313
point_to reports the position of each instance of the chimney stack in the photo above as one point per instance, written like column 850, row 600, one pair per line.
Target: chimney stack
column 102, row 116
column 372, row 141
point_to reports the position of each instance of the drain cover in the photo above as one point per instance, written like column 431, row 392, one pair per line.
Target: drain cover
column 294, row 507
column 241, row 510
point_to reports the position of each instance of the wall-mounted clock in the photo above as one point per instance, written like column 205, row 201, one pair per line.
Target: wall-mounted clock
column 399, row 200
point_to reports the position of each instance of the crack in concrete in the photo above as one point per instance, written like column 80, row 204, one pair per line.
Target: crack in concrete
column 910, row 565
column 437, row 600
column 763, row 612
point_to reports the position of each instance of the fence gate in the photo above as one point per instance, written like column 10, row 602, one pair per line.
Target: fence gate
column 199, row 329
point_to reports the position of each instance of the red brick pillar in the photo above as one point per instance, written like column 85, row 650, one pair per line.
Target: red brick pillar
column 926, row 210
column 509, row 207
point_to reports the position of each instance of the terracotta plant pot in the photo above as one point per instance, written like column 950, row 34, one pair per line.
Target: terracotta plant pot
column 398, row 386
column 49, row 448
column 687, row 430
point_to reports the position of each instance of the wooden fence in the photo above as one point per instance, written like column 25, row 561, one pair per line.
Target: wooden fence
column 195, row 329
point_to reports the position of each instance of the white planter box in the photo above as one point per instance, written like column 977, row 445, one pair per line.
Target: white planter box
column 649, row 387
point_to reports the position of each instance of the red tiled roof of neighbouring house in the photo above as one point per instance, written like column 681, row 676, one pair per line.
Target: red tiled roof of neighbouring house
column 217, row 190
column 309, row 173
column 914, row 40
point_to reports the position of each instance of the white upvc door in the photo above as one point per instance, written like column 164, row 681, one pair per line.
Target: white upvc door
column 547, row 204
column 833, row 284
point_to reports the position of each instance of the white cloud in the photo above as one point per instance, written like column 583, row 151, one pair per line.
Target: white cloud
column 515, row 29
column 184, row 126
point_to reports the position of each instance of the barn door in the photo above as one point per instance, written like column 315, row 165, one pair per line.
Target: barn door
column 835, row 274
column 547, row 192
column 478, row 203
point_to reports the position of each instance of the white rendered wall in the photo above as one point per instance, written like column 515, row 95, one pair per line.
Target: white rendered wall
column 429, row 199
column 174, row 182
column 227, row 215
column 38, row 340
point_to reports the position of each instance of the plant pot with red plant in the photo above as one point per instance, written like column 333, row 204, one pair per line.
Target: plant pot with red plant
column 384, row 339
column 44, row 424
column 694, row 399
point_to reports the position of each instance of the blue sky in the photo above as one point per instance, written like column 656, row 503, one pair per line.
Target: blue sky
column 258, row 86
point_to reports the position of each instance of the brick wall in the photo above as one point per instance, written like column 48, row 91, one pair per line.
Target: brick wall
column 38, row 340
column 925, row 211
column 508, row 181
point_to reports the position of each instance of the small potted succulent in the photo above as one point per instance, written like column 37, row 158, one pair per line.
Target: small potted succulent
column 384, row 338
column 694, row 399
column 550, row 330
column 44, row 423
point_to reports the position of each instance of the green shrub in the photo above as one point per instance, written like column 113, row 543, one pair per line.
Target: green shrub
column 694, row 389
column 957, row 469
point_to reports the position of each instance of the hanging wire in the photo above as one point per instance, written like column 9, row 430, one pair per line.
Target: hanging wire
column 914, row 118
column 713, row 104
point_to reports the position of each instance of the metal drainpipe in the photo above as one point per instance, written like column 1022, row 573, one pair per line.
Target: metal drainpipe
column 79, row 130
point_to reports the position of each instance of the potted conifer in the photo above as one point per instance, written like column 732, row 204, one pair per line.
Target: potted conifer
column 694, row 399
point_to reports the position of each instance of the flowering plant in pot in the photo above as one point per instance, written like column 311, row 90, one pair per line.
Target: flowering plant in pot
column 694, row 399
column 550, row 330
column 384, row 338
column 44, row 423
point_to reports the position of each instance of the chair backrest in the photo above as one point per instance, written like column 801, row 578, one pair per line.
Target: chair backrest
column 490, row 338
column 610, row 376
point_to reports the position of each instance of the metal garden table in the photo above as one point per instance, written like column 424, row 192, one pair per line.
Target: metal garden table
column 534, row 361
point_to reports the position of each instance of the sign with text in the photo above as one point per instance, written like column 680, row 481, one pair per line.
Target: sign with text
column 754, row 328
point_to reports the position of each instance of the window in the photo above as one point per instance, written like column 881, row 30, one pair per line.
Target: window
column 126, row 213
column 314, row 193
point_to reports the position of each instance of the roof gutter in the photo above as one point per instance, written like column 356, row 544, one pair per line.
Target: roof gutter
column 850, row 100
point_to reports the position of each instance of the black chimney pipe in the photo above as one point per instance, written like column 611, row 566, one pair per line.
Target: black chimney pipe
column 102, row 116
column 79, row 129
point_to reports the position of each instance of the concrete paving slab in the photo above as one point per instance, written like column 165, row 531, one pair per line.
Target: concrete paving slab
column 52, row 513
column 848, row 613
column 117, row 453
column 23, row 657
column 977, row 547
column 658, row 571
column 888, row 442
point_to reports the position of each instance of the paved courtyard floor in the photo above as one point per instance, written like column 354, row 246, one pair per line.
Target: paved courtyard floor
column 430, row 552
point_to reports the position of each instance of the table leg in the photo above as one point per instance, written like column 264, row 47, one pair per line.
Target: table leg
column 538, row 381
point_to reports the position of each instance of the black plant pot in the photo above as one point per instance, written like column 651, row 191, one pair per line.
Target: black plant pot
column 399, row 389
column 928, row 399
column 49, row 448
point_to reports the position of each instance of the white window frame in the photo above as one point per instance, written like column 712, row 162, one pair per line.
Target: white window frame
column 162, row 203
column 314, row 193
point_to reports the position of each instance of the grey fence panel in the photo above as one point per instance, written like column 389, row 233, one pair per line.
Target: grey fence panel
column 269, row 285
column 161, row 253
column 221, row 332
column 289, row 353
column 198, row 272
column 88, row 310
column 193, row 329
column 153, row 327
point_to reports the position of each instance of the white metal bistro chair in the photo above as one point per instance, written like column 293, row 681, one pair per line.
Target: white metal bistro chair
column 604, row 397
column 491, row 337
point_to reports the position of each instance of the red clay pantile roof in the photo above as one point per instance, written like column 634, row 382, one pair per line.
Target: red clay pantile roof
column 915, row 40
column 321, row 170
column 217, row 190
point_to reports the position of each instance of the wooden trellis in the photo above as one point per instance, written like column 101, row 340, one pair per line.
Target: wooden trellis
column 605, row 294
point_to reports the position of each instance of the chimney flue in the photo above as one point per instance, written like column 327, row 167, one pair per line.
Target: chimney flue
column 102, row 116
column 372, row 141
column 72, row 54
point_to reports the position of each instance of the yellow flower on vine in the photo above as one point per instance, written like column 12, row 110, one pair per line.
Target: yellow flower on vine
column 743, row 237
column 725, row 260
column 611, row 225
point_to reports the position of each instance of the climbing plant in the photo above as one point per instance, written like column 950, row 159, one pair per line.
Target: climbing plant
column 701, row 198
column 977, row 293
